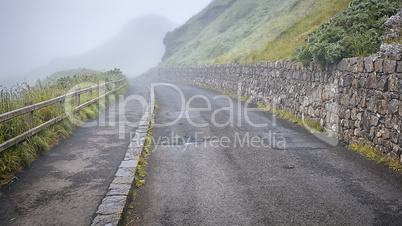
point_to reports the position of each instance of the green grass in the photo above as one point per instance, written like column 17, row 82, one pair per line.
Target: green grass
column 142, row 161
column 283, row 47
column 230, row 94
column 69, row 73
column 22, row 154
column 368, row 151
column 313, row 126
column 249, row 31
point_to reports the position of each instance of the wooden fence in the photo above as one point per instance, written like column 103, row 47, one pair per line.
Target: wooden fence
column 105, row 88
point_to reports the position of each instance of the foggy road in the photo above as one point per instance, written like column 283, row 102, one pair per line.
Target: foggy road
column 214, row 164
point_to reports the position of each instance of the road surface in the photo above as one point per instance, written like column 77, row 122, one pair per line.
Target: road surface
column 215, row 166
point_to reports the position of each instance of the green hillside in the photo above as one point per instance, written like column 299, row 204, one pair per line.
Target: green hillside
column 231, row 31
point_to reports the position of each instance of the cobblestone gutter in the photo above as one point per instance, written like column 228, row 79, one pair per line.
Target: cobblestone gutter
column 111, row 210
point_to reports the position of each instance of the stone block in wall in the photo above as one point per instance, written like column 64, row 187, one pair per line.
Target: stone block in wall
column 359, row 116
column 347, row 114
column 372, row 133
column 393, row 83
column 343, row 65
column 394, row 137
column 388, row 146
column 388, row 122
column 360, row 65
column 378, row 65
column 371, row 82
column 354, row 100
column 353, row 114
column 378, row 148
column 346, row 136
column 317, row 76
column 397, row 123
column 400, row 108
column 382, row 83
column 348, row 80
column 399, row 67
column 363, row 102
column 369, row 65
column 355, row 84
column 278, row 64
column 357, row 132
column 362, row 82
column 353, row 65
column 287, row 65
column 351, row 124
column 389, row 66
column 385, row 133
column 381, row 95
column 358, row 125
column 400, row 140
column 374, row 120
column 393, row 106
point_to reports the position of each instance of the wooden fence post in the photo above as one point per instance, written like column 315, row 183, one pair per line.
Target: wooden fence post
column 58, row 104
column 77, row 99
column 90, row 94
column 99, row 90
column 29, row 116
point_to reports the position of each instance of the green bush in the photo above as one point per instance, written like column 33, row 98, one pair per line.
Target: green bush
column 356, row 31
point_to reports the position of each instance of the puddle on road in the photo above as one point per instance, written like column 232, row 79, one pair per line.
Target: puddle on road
column 185, row 140
column 185, row 114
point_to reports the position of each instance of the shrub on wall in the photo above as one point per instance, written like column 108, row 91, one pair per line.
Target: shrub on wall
column 357, row 31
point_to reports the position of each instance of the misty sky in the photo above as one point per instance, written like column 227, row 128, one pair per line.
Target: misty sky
column 33, row 32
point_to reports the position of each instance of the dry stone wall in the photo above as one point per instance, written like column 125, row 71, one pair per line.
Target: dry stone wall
column 360, row 99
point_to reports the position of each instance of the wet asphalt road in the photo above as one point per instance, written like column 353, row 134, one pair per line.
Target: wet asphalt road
column 66, row 186
column 278, row 174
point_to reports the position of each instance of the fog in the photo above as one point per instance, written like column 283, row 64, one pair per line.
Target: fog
column 36, row 34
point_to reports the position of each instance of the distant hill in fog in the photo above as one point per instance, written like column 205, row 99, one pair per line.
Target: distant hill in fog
column 135, row 49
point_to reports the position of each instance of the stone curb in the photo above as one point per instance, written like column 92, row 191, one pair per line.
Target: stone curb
column 110, row 212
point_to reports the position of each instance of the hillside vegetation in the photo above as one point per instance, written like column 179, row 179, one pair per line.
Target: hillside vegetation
column 69, row 73
column 231, row 31
column 357, row 31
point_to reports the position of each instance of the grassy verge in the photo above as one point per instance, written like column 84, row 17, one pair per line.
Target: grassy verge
column 230, row 94
column 142, row 161
column 313, row 126
column 368, row 151
column 15, row 158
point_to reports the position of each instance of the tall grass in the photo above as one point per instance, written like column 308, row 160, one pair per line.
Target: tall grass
column 16, row 97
